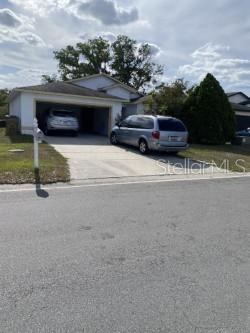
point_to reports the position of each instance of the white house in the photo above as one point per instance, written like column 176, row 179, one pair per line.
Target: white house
column 98, row 100
column 241, row 105
column 238, row 98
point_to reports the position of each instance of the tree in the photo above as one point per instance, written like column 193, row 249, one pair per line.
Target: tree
column 96, row 54
column 48, row 78
column 132, row 63
column 190, row 114
column 91, row 57
column 168, row 99
column 69, row 66
column 208, row 113
column 4, row 93
column 124, row 59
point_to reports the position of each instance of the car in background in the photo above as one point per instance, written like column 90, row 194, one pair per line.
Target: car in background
column 61, row 120
column 245, row 132
column 157, row 133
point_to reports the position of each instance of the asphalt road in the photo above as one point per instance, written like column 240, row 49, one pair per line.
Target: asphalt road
column 165, row 257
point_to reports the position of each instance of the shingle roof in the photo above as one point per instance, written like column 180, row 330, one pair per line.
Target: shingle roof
column 69, row 89
column 229, row 94
column 239, row 107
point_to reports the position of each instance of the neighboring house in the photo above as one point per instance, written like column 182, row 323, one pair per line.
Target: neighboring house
column 241, row 105
column 238, row 97
column 98, row 100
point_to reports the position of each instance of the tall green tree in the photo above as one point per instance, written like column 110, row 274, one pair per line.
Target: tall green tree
column 208, row 113
column 124, row 59
column 168, row 99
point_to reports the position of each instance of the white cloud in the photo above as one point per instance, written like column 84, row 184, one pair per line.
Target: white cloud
column 111, row 37
column 155, row 49
column 9, row 18
column 212, row 58
column 18, row 29
column 209, row 50
column 106, row 11
column 41, row 7
column 176, row 30
column 22, row 77
column 21, row 37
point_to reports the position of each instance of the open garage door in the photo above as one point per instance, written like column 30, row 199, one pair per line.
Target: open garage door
column 92, row 120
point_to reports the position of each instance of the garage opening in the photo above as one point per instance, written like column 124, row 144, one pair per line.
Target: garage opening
column 92, row 120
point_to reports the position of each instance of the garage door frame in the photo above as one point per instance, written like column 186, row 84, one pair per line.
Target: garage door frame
column 78, row 103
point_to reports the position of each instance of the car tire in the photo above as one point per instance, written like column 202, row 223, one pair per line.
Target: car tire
column 173, row 153
column 46, row 131
column 143, row 147
column 113, row 138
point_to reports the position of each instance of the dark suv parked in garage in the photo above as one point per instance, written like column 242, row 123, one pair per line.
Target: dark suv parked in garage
column 151, row 133
column 61, row 120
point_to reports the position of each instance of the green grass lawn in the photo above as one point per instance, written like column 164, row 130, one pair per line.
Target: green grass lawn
column 17, row 168
column 218, row 154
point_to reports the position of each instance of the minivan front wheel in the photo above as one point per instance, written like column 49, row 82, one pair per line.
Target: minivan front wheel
column 46, row 131
column 113, row 139
column 143, row 146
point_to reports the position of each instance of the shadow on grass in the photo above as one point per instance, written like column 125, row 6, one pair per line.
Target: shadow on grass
column 21, row 138
column 39, row 191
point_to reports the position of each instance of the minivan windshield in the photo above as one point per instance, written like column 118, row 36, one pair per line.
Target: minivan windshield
column 63, row 114
column 171, row 124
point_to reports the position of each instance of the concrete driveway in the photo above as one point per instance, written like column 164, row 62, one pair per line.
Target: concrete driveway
column 92, row 156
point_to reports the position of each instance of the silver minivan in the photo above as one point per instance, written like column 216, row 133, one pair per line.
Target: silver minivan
column 151, row 133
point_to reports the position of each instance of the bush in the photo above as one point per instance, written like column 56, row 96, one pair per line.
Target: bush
column 208, row 114
column 3, row 111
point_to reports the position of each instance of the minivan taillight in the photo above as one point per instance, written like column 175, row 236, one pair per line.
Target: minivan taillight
column 156, row 135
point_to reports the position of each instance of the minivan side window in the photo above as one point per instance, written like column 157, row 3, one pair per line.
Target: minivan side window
column 171, row 125
column 141, row 122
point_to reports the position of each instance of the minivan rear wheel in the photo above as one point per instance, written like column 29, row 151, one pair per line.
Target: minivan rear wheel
column 173, row 153
column 143, row 146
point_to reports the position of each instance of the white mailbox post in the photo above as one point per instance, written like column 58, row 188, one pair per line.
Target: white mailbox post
column 37, row 136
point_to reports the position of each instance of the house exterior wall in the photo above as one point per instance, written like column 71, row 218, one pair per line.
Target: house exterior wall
column 237, row 99
column 119, row 92
column 130, row 109
column 94, row 82
column 140, row 108
column 99, row 82
column 15, row 107
column 27, row 109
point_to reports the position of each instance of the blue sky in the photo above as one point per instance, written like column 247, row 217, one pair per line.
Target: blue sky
column 190, row 37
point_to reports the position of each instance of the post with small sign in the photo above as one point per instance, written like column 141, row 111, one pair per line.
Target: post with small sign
column 36, row 145
column 38, row 137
